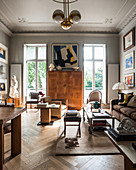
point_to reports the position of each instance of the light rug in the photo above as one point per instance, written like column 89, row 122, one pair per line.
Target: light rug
column 96, row 144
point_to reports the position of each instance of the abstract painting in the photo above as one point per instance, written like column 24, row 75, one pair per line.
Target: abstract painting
column 3, row 86
column 129, row 80
column 65, row 55
column 3, row 54
column 129, row 61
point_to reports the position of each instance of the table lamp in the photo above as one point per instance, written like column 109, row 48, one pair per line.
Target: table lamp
column 120, row 86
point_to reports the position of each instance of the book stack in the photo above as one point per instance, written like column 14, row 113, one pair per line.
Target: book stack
column 99, row 122
column 121, row 137
column 101, row 115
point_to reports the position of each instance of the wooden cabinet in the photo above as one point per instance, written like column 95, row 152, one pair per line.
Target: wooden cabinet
column 66, row 85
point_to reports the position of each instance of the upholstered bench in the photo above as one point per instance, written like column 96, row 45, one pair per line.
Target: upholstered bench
column 72, row 116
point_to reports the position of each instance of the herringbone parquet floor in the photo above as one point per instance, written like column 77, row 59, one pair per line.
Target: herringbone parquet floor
column 38, row 150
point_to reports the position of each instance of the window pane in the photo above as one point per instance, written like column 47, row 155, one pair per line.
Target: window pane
column 87, row 52
column 98, row 75
column 87, row 79
column 30, row 53
column 42, row 53
column 98, row 52
column 42, row 76
column 31, row 75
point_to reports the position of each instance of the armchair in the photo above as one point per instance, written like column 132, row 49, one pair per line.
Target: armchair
column 95, row 96
column 34, row 99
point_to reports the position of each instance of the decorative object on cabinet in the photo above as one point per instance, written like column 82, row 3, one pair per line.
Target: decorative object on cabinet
column 66, row 85
column 3, row 54
column 129, row 61
column 129, row 39
column 75, row 68
column 59, row 68
column 51, row 67
column 65, row 55
column 129, row 80
column 3, row 86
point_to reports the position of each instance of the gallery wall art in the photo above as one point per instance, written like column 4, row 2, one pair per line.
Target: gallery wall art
column 3, row 54
column 65, row 55
column 129, row 79
column 129, row 61
column 129, row 39
column 3, row 86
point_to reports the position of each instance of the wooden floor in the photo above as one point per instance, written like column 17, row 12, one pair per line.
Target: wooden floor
column 38, row 150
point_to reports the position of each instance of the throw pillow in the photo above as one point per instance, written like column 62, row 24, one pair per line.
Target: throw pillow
column 127, row 98
column 132, row 101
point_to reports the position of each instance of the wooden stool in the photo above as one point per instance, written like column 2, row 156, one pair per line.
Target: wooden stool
column 72, row 118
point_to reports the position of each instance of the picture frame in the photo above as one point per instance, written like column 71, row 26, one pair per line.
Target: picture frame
column 65, row 55
column 129, row 39
column 129, row 61
column 3, row 86
column 129, row 79
column 3, row 54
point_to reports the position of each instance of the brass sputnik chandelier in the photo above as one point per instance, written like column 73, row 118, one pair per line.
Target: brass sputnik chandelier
column 63, row 17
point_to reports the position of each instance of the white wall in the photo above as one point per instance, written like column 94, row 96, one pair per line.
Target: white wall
column 122, row 53
column 17, row 43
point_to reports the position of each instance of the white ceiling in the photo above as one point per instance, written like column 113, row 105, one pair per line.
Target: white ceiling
column 36, row 15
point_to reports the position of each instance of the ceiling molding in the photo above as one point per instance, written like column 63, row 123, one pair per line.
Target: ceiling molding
column 127, row 19
column 4, row 28
column 68, row 33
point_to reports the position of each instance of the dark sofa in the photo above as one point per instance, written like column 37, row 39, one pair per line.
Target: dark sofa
column 122, row 111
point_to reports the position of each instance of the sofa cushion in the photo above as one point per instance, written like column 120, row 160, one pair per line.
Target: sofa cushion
column 132, row 101
column 117, row 107
column 128, row 111
column 133, row 115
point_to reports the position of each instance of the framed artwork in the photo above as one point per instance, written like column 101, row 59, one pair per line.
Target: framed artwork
column 3, row 54
column 129, row 80
column 65, row 55
column 3, row 86
column 129, row 61
column 129, row 39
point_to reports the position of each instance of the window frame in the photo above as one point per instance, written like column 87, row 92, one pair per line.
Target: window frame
column 36, row 60
column 93, row 60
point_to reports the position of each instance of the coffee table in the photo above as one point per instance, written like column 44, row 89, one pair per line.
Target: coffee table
column 104, row 117
column 125, row 147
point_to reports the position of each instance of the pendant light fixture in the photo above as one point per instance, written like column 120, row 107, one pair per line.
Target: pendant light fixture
column 63, row 17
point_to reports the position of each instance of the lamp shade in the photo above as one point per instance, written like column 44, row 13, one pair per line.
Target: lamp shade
column 75, row 16
column 120, row 86
column 58, row 16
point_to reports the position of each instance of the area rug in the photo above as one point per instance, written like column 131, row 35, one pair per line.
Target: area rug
column 96, row 144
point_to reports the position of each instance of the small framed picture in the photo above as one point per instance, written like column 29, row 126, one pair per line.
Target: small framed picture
column 129, row 61
column 3, row 54
column 129, row 79
column 129, row 39
column 3, row 86
column 65, row 55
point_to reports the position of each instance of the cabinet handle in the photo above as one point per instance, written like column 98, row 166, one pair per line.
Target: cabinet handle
column 65, row 85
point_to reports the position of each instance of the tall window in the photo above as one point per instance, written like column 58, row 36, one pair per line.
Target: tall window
column 94, row 69
column 35, row 68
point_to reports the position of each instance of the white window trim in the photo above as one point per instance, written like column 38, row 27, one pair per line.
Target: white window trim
column 104, row 67
column 36, row 60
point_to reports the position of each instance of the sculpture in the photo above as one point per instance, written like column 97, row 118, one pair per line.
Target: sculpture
column 126, row 126
column 51, row 67
column 13, row 88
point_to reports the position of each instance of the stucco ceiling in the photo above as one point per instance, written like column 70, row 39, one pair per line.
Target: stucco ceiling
column 36, row 15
